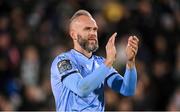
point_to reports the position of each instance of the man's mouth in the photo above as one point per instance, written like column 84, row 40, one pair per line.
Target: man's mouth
column 92, row 40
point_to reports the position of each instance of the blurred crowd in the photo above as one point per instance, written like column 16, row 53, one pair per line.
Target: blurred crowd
column 33, row 32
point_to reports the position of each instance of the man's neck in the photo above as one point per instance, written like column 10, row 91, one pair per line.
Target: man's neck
column 84, row 52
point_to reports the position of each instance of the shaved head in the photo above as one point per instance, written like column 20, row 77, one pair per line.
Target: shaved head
column 83, row 30
column 75, row 19
column 79, row 13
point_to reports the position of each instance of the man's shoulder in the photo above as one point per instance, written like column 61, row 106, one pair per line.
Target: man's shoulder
column 62, row 56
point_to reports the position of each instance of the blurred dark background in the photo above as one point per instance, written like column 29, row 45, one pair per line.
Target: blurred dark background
column 33, row 32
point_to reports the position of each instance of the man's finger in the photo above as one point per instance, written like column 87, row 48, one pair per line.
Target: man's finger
column 135, row 38
column 114, row 34
column 133, row 45
column 132, row 50
column 130, row 38
column 112, row 38
column 133, row 41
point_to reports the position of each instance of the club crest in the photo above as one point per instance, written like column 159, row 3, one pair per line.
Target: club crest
column 64, row 65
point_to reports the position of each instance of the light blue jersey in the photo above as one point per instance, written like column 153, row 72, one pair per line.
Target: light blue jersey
column 78, row 82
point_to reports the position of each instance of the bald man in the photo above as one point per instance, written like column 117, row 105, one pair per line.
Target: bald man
column 78, row 77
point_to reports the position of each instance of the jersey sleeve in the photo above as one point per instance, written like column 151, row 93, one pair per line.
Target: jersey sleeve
column 125, row 85
column 71, row 78
column 63, row 67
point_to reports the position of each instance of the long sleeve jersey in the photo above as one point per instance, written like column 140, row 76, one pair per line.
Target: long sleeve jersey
column 78, row 82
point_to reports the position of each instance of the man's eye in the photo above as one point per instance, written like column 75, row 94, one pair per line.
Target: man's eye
column 87, row 28
column 95, row 29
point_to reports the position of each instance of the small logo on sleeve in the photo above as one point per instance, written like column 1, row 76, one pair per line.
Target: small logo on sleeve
column 64, row 65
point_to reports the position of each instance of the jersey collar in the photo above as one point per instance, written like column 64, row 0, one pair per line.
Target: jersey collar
column 82, row 56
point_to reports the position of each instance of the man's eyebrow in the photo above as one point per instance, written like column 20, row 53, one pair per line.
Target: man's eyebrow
column 88, row 27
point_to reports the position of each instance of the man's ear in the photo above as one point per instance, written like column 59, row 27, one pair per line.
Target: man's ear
column 73, row 34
